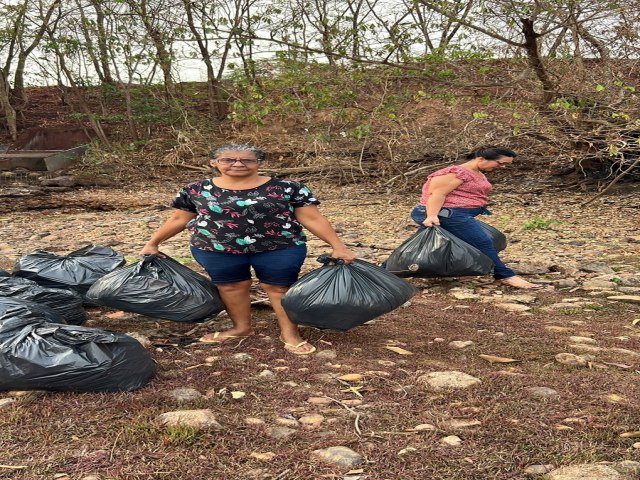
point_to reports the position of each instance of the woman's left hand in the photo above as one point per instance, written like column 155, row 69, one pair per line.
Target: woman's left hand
column 344, row 254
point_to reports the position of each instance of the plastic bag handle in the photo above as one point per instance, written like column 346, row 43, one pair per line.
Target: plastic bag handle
column 327, row 260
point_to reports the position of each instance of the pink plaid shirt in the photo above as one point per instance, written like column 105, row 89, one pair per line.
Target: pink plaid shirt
column 471, row 194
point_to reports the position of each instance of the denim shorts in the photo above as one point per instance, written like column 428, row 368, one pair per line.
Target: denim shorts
column 275, row 267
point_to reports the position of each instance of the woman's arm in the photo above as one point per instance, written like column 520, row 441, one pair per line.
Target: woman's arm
column 174, row 225
column 439, row 188
column 311, row 218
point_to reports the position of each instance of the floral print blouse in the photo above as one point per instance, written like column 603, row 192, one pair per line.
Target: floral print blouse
column 244, row 221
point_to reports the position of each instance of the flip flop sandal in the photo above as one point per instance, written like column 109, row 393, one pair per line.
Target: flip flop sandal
column 290, row 347
column 217, row 338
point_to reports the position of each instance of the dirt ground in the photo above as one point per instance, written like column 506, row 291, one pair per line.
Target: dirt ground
column 387, row 413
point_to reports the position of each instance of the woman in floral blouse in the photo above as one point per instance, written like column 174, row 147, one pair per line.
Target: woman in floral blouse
column 242, row 219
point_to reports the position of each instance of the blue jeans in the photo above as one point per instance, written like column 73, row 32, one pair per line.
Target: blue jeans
column 462, row 224
column 275, row 267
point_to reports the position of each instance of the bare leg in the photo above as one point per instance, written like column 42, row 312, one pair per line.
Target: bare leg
column 289, row 332
column 237, row 302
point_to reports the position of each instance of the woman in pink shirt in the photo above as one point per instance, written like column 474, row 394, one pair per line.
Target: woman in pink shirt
column 453, row 196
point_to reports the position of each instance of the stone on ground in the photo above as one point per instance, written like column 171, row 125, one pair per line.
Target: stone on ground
column 199, row 419
column 448, row 379
column 585, row 472
column 341, row 456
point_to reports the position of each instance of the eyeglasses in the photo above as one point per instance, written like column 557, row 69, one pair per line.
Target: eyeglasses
column 244, row 161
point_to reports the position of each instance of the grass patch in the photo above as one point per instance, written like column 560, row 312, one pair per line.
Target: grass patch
column 537, row 223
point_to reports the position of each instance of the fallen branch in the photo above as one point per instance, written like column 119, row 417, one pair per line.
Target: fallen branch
column 613, row 182
column 356, row 422
column 417, row 170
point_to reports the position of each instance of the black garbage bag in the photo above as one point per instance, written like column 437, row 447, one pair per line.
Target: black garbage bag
column 4, row 273
column 66, row 302
column 38, row 355
column 11, row 308
column 340, row 297
column 78, row 270
column 498, row 238
column 161, row 288
column 434, row 252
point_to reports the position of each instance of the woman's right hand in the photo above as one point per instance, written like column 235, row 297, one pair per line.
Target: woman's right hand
column 150, row 249
column 430, row 221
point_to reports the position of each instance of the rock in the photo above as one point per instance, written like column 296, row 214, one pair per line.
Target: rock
column 326, row 355
column 459, row 423
column 628, row 468
column 542, row 392
column 254, row 421
column 571, row 360
column 581, row 347
column 566, row 283
column 530, row 269
column 585, row 472
column 459, row 344
column 448, row 379
column 406, row 451
column 630, row 290
column 319, row 401
column 578, row 339
column 4, row 402
column 266, row 456
column 596, row 267
column 63, row 181
column 636, row 445
column 185, row 394
column 30, row 394
column 523, row 298
column 630, row 280
column 513, row 307
column 624, row 351
column 144, row 341
column 287, row 422
column 267, row 375
column 280, row 433
column 340, row 456
column 241, row 357
column 557, row 329
column 91, row 477
column 625, row 298
column 199, row 419
column 424, row 427
column 534, row 470
column 451, row 440
column 604, row 282
column 324, row 377
column 311, row 421
column 464, row 294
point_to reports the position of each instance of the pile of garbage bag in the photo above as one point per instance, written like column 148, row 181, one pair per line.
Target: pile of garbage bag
column 4, row 273
column 160, row 287
column 434, row 252
column 39, row 353
column 67, row 303
column 11, row 308
column 78, row 270
column 498, row 238
column 341, row 296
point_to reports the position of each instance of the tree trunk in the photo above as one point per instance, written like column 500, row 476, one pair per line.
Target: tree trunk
column 535, row 60
column 7, row 108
